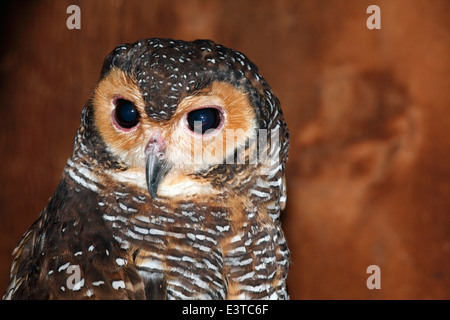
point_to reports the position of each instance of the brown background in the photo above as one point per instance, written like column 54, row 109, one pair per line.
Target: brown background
column 368, row 111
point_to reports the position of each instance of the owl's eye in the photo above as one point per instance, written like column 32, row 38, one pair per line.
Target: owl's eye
column 126, row 114
column 209, row 118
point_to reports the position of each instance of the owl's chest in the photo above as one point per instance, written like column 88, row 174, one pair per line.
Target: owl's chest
column 193, row 250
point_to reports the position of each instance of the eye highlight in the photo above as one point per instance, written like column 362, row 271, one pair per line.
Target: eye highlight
column 126, row 114
column 204, row 119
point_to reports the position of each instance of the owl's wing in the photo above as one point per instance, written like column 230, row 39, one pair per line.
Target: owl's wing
column 69, row 253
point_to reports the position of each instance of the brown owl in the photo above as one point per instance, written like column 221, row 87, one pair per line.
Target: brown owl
column 174, row 188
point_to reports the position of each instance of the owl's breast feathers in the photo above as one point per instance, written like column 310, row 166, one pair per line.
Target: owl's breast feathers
column 122, row 245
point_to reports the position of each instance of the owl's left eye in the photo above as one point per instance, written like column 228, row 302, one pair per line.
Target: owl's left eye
column 205, row 118
column 126, row 114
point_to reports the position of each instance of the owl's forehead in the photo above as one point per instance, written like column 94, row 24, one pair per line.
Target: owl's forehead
column 167, row 70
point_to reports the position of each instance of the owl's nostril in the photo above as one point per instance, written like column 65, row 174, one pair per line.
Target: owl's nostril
column 156, row 145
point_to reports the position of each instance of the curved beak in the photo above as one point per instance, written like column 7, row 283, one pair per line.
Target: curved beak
column 156, row 167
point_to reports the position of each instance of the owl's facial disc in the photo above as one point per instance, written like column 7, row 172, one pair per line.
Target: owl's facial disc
column 169, row 157
column 156, row 166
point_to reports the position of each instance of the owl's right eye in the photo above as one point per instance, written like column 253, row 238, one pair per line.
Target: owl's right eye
column 126, row 115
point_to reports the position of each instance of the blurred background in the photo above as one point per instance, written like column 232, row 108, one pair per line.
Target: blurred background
column 368, row 111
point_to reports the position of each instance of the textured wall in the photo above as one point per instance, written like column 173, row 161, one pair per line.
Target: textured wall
column 368, row 111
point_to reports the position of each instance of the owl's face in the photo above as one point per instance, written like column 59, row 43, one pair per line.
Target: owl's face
column 169, row 111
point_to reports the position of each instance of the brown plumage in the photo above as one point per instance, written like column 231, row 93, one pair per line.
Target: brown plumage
column 174, row 188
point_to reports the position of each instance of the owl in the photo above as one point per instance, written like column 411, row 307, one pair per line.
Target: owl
column 174, row 188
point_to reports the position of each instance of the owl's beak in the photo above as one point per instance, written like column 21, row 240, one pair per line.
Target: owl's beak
column 156, row 166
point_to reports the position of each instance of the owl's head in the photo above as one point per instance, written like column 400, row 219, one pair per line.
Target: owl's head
column 179, row 117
